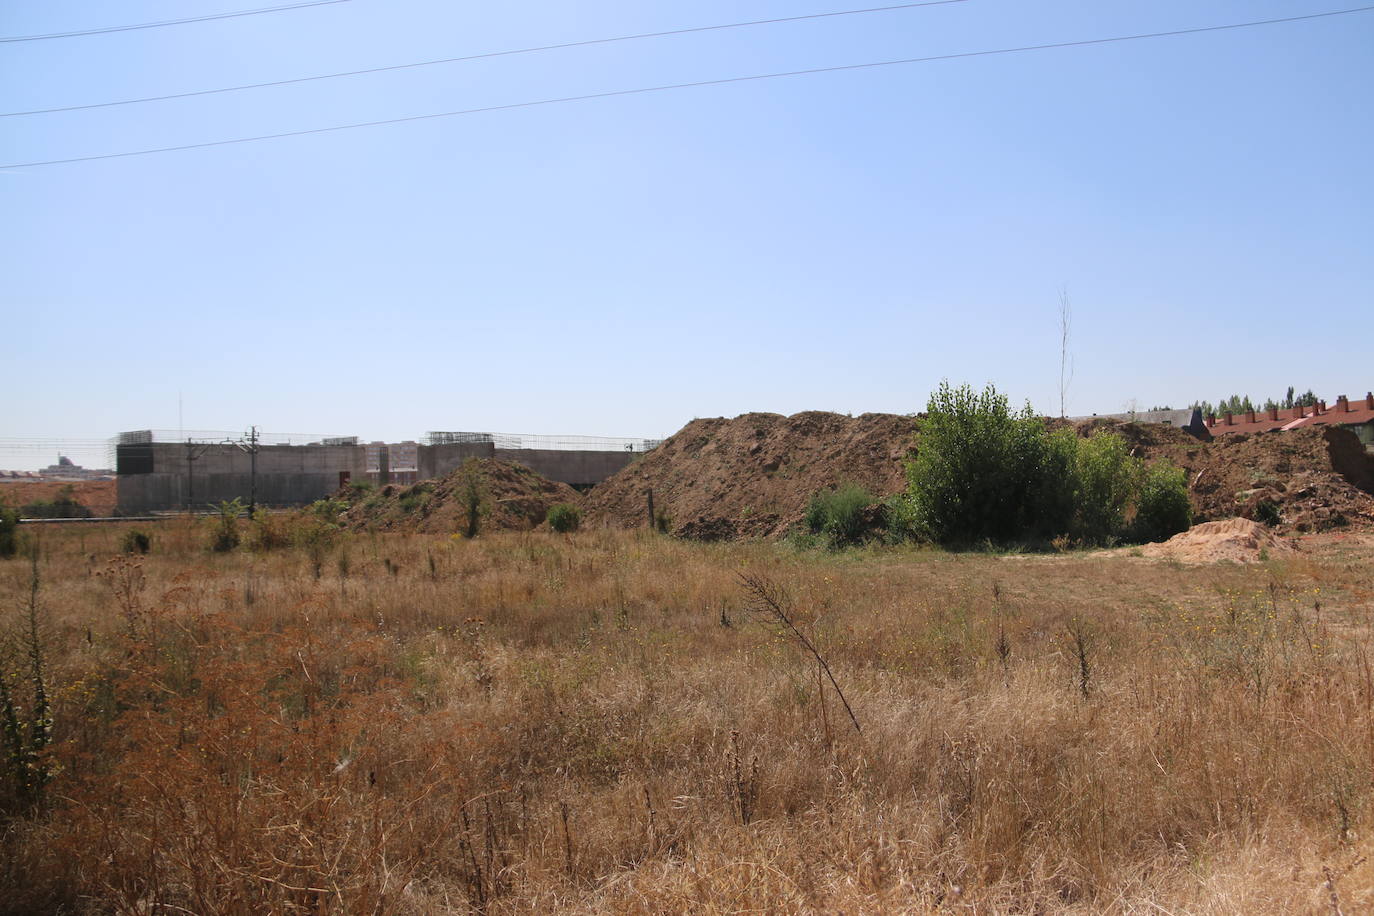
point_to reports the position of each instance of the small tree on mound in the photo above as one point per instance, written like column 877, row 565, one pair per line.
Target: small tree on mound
column 473, row 493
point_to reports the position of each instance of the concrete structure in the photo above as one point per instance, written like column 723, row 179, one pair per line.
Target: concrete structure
column 1190, row 421
column 158, row 476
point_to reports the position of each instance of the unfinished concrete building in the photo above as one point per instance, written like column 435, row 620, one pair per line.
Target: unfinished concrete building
column 159, row 472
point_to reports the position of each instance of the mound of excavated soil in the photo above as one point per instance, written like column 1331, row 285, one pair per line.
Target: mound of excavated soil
column 753, row 476
column 1239, row 540
column 1301, row 481
column 517, row 499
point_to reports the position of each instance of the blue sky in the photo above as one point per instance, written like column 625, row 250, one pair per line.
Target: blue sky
column 837, row 241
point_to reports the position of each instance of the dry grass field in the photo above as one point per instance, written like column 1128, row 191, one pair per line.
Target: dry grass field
column 609, row 722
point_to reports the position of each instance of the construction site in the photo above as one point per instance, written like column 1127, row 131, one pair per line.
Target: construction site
column 161, row 471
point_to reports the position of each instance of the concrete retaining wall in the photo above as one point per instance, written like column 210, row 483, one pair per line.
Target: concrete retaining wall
column 438, row 460
column 288, row 475
column 571, row 467
column 296, row 475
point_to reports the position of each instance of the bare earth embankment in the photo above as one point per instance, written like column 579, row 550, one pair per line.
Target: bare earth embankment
column 753, row 475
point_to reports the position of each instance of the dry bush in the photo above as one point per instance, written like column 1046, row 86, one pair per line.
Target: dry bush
column 594, row 722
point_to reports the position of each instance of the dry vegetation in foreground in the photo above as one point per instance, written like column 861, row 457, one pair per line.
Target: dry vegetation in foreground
column 598, row 722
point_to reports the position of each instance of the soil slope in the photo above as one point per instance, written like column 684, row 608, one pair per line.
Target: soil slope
column 1308, row 480
column 517, row 499
column 753, row 476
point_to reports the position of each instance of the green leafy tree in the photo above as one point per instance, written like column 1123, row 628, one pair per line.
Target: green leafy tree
column 984, row 472
column 474, row 496
column 1162, row 507
column 1107, row 479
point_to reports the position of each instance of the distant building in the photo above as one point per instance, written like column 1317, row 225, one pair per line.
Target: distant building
column 66, row 470
column 1356, row 416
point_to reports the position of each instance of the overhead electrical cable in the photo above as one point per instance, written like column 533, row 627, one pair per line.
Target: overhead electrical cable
column 166, row 22
column 489, row 54
column 692, row 85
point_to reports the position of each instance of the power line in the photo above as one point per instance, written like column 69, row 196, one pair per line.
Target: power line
column 692, row 85
column 166, row 22
column 470, row 57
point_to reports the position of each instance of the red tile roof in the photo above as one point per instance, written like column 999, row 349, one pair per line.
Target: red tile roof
column 1342, row 413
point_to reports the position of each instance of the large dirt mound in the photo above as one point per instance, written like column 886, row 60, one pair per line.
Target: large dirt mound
column 753, row 476
column 517, row 499
column 1298, row 481
column 1238, row 540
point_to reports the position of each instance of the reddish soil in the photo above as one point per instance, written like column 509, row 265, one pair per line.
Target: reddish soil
column 97, row 495
column 752, row 476
column 517, row 499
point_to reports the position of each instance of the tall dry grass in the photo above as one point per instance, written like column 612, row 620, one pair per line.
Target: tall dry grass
column 599, row 722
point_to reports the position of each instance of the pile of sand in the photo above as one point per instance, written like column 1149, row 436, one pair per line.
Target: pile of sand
column 1238, row 540
column 516, row 498
column 753, row 476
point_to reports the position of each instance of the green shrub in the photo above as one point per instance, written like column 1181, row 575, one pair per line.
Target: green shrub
column 416, row 498
column 1107, row 479
column 985, row 475
column 135, row 541
column 900, row 512
column 839, row 514
column 224, row 531
column 1162, row 508
column 269, row 531
column 473, row 495
column 9, row 531
column 982, row 472
column 328, row 510
column 63, row 505
column 1267, row 512
column 564, row 518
